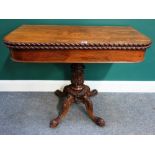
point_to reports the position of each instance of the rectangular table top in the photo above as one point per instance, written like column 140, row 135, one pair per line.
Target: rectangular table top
column 76, row 34
column 53, row 43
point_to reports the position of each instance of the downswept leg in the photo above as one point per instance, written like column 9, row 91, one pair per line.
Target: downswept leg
column 89, row 108
column 65, row 108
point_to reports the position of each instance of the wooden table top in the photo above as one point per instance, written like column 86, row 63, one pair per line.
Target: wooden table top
column 76, row 44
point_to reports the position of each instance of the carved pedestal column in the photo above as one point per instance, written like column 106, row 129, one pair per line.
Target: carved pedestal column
column 74, row 93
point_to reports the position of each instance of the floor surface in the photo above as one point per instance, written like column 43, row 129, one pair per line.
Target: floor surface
column 29, row 113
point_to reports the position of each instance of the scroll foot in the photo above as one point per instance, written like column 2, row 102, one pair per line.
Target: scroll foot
column 54, row 123
column 93, row 92
column 99, row 121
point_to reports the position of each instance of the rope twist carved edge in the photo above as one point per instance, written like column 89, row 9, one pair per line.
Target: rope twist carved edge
column 73, row 46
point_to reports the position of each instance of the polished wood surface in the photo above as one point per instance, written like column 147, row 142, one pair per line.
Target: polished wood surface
column 76, row 34
column 82, row 56
column 77, row 92
column 76, row 44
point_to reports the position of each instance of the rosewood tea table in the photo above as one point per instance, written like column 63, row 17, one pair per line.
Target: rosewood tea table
column 76, row 45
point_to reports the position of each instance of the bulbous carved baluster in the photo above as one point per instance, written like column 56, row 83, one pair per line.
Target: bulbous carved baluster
column 66, row 106
column 77, row 78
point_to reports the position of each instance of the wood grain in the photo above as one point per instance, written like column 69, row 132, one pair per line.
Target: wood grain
column 76, row 34
column 76, row 44
column 72, row 56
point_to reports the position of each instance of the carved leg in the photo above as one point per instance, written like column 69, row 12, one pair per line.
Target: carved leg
column 66, row 106
column 76, row 92
column 89, row 108
column 59, row 93
column 93, row 93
